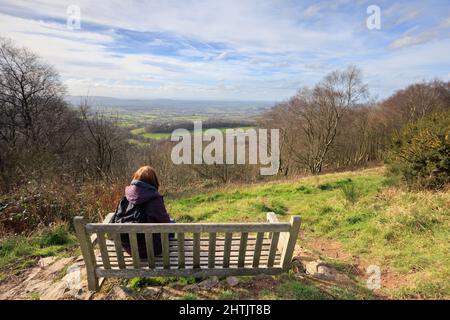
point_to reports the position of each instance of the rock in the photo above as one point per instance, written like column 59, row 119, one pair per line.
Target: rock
column 73, row 277
column 45, row 281
column 325, row 271
column 209, row 283
column 169, row 293
column 45, row 262
column 55, row 291
column 120, row 293
column 151, row 292
column 232, row 281
column 191, row 287
column 298, row 266
column 311, row 266
column 263, row 276
column 319, row 269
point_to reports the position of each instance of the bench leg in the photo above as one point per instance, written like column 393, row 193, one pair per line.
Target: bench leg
column 286, row 255
column 88, row 252
column 93, row 281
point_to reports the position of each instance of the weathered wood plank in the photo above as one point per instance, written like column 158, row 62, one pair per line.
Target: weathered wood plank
column 257, row 249
column 212, row 250
column 134, row 249
column 181, row 254
column 196, row 250
column 288, row 251
column 187, row 227
column 273, row 248
column 242, row 249
column 227, row 249
column 106, row 220
column 165, row 249
column 131, row 273
column 103, row 249
column 150, row 250
column 88, row 252
column 119, row 250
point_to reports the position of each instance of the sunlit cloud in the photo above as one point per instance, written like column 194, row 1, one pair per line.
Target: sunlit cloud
column 240, row 50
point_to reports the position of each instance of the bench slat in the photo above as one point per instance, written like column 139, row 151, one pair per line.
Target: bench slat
column 103, row 249
column 212, row 250
column 187, row 227
column 131, row 273
column 119, row 250
column 180, row 244
column 258, row 249
column 273, row 248
column 150, row 250
column 134, row 249
column 227, row 249
column 196, row 250
column 165, row 249
column 242, row 249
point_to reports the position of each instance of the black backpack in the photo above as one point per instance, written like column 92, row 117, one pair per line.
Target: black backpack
column 126, row 213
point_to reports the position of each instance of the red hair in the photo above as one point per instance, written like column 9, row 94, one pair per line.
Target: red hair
column 148, row 175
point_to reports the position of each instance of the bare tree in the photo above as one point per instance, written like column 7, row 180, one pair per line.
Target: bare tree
column 318, row 113
column 106, row 141
column 31, row 96
column 34, row 119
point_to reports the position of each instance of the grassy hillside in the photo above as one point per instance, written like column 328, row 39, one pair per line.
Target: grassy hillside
column 351, row 220
column 405, row 233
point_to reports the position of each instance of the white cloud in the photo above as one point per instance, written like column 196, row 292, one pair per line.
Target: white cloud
column 266, row 48
column 420, row 38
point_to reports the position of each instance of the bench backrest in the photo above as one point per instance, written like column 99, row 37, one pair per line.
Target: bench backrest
column 198, row 249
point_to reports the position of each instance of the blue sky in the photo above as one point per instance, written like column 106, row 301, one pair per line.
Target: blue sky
column 231, row 50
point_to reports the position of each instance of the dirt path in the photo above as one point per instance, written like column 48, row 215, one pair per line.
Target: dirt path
column 357, row 266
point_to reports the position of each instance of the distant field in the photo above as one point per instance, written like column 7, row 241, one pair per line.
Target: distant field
column 140, row 132
column 136, row 121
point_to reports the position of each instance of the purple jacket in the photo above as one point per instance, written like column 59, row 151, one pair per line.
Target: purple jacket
column 141, row 193
column 154, row 203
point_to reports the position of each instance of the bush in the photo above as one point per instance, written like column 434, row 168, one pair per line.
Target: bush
column 420, row 153
column 350, row 192
column 58, row 236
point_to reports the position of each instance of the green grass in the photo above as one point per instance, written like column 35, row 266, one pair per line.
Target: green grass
column 402, row 231
column 142, row 282
column 189, row 296
column 156, row 135
column 19, row 252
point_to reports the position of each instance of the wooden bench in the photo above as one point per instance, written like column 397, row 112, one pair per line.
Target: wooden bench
column 200, row 249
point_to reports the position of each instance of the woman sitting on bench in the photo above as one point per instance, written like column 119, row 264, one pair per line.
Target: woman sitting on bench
column 142, row 204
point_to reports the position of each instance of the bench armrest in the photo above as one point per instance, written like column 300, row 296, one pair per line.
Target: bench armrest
column 272, row 217
column 106, row 220
column 108, row 217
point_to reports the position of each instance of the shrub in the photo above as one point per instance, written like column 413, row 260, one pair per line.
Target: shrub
column 350, row 192
column 58, row 236
column 420, row 152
